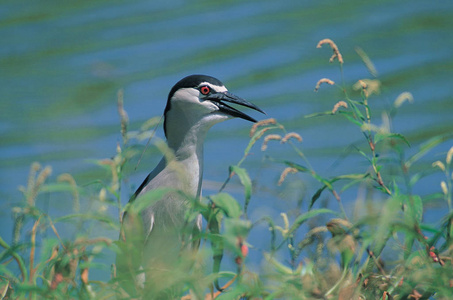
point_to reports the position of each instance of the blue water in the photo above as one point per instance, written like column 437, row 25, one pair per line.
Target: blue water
column 62, row 65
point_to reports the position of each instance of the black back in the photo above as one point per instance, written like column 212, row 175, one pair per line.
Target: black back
column 187, row 82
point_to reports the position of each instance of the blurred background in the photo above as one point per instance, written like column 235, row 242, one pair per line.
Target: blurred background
column 62, row 65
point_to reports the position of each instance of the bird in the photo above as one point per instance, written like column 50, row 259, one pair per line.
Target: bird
column 161, row 232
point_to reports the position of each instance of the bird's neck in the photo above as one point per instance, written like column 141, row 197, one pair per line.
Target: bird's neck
column 186, row 144
column 186, row 130
column 187, row 141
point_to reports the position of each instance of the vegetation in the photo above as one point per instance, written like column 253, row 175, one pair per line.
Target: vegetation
column 381, row 250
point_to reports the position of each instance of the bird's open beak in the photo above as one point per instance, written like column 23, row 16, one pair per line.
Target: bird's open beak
column 220, row 98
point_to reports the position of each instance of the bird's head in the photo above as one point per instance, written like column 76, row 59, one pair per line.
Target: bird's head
column 202, row 100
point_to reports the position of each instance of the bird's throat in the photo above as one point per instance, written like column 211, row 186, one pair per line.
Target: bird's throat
column 187, row 147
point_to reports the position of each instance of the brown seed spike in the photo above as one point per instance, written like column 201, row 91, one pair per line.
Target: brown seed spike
column 338, row 105
column 285, row 173
column 336, row 51
column 269, row 137
column 363, row 84
column 291, row 135
column 323, row 80
column 327, row 41
column 261, row 123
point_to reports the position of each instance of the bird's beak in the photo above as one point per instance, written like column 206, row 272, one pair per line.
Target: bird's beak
column 221, row 97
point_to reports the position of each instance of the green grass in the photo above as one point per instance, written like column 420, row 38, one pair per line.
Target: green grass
column 381, row 250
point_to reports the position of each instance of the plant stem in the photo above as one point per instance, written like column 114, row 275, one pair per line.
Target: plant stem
column 17, row 258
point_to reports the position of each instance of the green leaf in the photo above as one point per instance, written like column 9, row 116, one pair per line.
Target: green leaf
column 271, row 229
column 424, row 148
column 326, row 182
column 281, row 268
column 227, row 204
column 58, row 187
column 94, row 265
column 306, row 216
column 408, row 244
column 414, row 258
column 324, row 113
column 355, row 177
column 346, row 246
column 413, row 213
column 316, row 196
column 299, row 168
column 384, row 136
column 400, row 137
column 217, row 240
column 415, row 207
column 236, row 228
column 364, row 155
column 378, row 168
column 350, row 118
column 101, row 218
column 245, row 181
column 430, row 228
column 149, row 198
column 358, row 113
column 388, row 217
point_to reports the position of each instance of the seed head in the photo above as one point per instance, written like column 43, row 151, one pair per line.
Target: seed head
column 269, row 137
column 285, row 173
column 323, row 80
column 336, row 52
column 291, row 135
column 338, row 105
column 255, row 126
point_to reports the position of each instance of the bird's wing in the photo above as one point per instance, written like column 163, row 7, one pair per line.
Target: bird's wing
column 147, row 217
column 148, row 224
column 196, row 231
column 148, row 179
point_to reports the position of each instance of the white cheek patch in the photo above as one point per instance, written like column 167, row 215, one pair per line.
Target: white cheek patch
column 186, row 95
column 187, row 100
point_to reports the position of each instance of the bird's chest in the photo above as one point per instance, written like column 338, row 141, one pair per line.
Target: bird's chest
column 183, row 177
column 186, row 176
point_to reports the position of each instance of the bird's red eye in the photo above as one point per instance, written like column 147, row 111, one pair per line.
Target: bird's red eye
column 205, row 90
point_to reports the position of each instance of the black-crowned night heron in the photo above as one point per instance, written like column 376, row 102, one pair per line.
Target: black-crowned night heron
column 194, row 105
